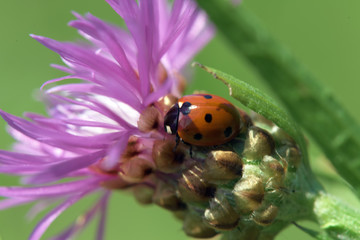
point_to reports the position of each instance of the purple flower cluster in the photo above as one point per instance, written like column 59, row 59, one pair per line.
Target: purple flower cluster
column 91, row 134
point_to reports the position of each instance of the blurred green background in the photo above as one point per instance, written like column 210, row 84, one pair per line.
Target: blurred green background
column 324, row 35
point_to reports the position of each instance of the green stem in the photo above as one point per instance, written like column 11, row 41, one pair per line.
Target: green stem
column 314, row 108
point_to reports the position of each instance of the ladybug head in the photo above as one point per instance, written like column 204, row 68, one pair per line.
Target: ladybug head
column 171, row 120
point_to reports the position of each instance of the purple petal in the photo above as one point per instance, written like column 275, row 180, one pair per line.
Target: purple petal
column 78, row 226
column 182, row 14
column 58, row 138
column 96, row 106
column 194, row 37
column 116, row 50
column 127, row 9
column 114, row 155
column 82, row 173
column 57, row 80
column 76, row 122
column 109, row 74
column 67, row 233
column 63, row 68
column 9, row 203
column 50, row 217
column 39, row 207
column 51, row 190
column 103, row 211
column 59, row 170
column 142, row 23
column 21, row 169
column 14, row 158
column 88, row 29
column 160, row 92
column 77, row 88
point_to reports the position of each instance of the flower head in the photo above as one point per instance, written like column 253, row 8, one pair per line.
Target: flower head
column 101, row 131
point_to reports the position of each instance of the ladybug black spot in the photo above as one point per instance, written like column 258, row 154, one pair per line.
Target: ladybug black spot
column 198, row 136
column 185, row 108
column 208, row 118
column 208, row 96
column 228, row 131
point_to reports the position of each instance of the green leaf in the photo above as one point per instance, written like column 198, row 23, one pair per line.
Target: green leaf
column 310, row 232
column 257, row 101
column 312, row 105
column 336, row 219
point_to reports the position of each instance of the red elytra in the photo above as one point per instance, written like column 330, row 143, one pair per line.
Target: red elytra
column 203, row 120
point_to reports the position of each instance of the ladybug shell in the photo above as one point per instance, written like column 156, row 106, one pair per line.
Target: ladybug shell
column 207, row 120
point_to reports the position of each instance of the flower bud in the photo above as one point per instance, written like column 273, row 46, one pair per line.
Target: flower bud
column 222, row 165
column 265, row 216
column 249, row 194
column 272, row 167
column 246, row 120
column 293, row 158
column 165, row 197
column 273, row 172
column 166, row 102
column 281, row 137
column 136, row 169
column 167, row 159
column 220, row 214
column 182, row 82
column 162, row 74
column 133, row 148
column 149, row 119
column 258, row 144
column 261, row 120
column 116, row 183
column 180, row 214
column 143, row 194
column 193, row 187
column 194, row 226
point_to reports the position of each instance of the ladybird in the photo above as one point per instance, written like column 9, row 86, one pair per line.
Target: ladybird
column 203, row 120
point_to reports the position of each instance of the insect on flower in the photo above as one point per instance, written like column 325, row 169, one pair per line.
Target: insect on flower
column 203, row 120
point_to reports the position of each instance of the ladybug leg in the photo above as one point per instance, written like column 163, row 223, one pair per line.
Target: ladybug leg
column 190, row 148
column 177, row 140
column 191, row 152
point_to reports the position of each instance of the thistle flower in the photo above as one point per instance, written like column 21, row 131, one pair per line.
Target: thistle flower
column 101, row 132
column 105, row 133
